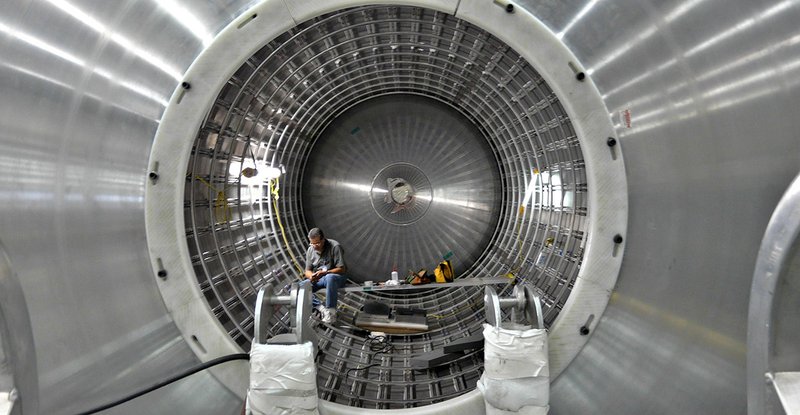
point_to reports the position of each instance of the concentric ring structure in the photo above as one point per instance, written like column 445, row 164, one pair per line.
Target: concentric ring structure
column 408, row 134
column 702, row 95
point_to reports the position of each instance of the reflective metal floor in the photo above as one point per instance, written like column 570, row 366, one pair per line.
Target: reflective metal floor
column 703, row 94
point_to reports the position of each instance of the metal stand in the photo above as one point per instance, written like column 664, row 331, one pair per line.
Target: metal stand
column 524, row 303
column 299, row 302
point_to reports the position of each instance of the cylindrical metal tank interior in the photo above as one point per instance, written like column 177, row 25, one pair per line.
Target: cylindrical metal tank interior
column 700, row 97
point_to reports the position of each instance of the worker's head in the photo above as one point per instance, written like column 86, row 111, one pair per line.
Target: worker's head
column 317, row 239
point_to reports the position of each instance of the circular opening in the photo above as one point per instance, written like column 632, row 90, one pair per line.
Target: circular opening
column 402, row 192
column 266, row 107
column 506, row 175
column 393, row 198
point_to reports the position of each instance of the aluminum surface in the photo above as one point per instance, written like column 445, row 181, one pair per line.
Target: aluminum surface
column 84, row 84
column 712, row 90
column 711, row 148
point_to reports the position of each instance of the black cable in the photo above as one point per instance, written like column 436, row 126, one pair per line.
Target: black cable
column 190, row 371
column 377, row 345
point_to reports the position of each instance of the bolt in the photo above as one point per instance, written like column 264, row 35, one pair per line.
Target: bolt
column 584, row 330
column 186, row 85
column 611, row 141
column 579, row 74
column 617, row 239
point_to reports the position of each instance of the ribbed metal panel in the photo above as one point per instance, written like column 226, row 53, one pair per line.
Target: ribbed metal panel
column 406, row 134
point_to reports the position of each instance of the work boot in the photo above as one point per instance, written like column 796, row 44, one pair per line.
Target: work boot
column 328, row 315
column 320, row 311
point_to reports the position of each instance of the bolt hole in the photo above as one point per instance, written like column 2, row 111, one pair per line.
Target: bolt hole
column 509, row 8
column 584, row 331
column 618, row 239
column 244, row 23
column 580, row 76
column 186, row 85
column 199, row 345
column 611, row 141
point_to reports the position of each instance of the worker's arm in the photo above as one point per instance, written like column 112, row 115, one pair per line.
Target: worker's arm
column 338, row 270
column 309, row 274
column 319, row 274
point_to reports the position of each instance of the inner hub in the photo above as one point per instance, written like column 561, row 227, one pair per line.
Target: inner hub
column 401, row 193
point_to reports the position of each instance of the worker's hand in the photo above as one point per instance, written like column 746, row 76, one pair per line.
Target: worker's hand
column 317, row 275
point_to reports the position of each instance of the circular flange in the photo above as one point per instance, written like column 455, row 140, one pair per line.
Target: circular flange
column 491, row 302
column 302, row 314
column 401, row 193
column 164, row 198
column 533, row 308
column 263, row 313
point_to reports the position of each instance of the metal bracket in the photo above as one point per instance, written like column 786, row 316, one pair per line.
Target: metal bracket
column 523, row 303
column 299, row 302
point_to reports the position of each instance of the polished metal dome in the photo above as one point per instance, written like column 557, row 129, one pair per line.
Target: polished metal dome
column 401, row 181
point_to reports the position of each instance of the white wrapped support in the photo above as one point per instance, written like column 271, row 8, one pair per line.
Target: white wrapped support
column 516, row 377
column 283, row 380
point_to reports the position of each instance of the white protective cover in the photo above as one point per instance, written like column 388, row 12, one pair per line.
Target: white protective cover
column 6, row 403
column 516, row 377
column 283, row 380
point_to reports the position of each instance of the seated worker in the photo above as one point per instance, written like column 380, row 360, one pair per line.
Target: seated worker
column 325, row 268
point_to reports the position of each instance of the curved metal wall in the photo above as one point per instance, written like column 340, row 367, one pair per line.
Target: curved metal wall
column 711, row 147
column 710, row 88
column 84, row 84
